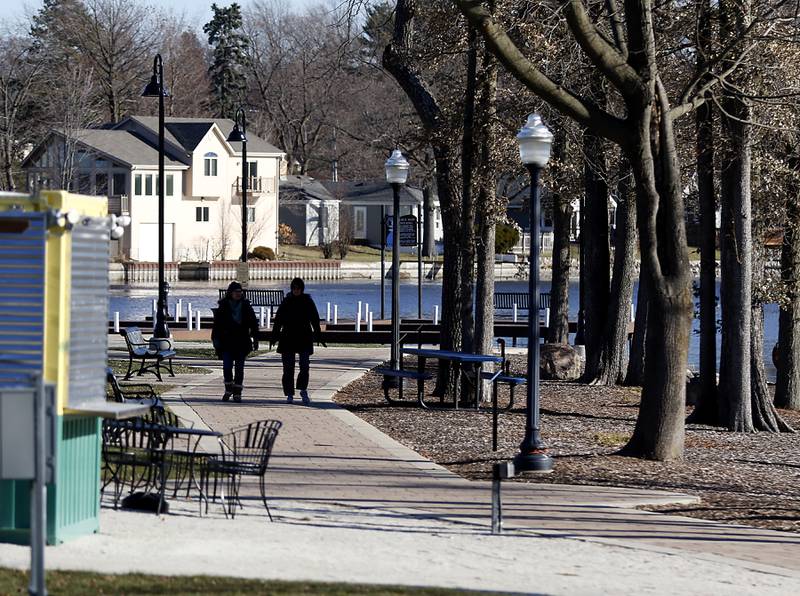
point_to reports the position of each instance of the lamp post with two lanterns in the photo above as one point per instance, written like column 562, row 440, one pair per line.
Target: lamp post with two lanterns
column 534, row 141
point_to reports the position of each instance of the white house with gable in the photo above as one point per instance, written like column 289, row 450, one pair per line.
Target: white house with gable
column 202, row 190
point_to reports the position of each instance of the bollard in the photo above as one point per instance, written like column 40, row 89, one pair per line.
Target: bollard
column 499, row 471
column 178, row 310
column 546, row 315
column 261, row 313
column 515, row 312
column 358, row 316
column 269, row 318
column 155, row 310
column 328, row 313
column 436, row 314
column 116, row 321
column 369, row 321
column 197, row 315
column 335, row 314
column 189, row 317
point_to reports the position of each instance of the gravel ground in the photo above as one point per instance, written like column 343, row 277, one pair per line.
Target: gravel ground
column 750, row 479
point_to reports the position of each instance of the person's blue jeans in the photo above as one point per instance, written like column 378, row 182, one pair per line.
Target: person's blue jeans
column 287, row 380
column 233, row 371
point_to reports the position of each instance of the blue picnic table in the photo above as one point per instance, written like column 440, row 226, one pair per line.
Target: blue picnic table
column 461, row 358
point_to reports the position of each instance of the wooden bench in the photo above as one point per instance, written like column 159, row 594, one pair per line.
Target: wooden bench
column 151, row 354
column 260, row 296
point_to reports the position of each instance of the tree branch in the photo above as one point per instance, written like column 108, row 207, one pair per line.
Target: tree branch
column 570, row 104
column 600, row 52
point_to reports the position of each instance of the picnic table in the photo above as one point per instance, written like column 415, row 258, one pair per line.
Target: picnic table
column 473, row 362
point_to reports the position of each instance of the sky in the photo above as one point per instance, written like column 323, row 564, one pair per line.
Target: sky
column 196, row 11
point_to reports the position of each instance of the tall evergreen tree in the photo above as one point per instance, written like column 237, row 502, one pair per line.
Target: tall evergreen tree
column 227, row 70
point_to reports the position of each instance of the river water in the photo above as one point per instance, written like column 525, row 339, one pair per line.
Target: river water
column 135, row 303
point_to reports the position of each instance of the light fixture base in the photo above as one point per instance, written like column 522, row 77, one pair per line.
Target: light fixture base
column 539, row 462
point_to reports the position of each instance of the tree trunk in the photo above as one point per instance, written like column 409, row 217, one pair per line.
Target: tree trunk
column 611, row 363
column 706, row 409
column 597, row 256
column 451, row 330
column 787, row 388
column 428, row 224
column 486, row 212
column 765, row 417
column 467, row 285
column 635, row 373
column 736, row 246
column 558, row 325
column 659, row 432
column 736, row 286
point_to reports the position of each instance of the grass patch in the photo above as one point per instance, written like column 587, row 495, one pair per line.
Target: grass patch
column 357, row 253
column 612, row 439
column 210, row 354
column 14, row 581
column 120, row 367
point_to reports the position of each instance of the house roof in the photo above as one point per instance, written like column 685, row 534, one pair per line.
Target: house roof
column 302, row 188
column 119, row 145
column 188, row 132
column 372, row 192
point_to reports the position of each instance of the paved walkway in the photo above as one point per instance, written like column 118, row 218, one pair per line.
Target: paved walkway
column 351, row 504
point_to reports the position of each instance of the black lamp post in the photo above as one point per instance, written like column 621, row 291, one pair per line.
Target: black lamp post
column 239, row 135
column 534, row 150
column 155, row 88
column 396, row 175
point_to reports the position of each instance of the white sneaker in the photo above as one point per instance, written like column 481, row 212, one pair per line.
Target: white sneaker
column 304, row 396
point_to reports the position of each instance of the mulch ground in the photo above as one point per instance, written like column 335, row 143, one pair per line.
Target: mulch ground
column 752, row 479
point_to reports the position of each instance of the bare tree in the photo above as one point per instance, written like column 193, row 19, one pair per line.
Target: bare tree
column 20, row 67
column 118, row 40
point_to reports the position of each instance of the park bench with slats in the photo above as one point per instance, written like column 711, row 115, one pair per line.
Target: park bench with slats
column 151, row 354
column 507, row 300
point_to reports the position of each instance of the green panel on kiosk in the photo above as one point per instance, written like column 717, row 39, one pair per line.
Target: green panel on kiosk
column 73, row 503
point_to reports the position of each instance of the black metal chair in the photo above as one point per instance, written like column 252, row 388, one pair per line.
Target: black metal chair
column 142, row 393
column 245, row 452
column 133, row 454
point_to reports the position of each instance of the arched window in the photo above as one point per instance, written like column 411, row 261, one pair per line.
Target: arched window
column 210, row 164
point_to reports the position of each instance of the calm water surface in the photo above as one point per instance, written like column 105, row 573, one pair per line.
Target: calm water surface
column 135, row 303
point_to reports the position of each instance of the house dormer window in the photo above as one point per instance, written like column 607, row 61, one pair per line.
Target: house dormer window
column 210, row 164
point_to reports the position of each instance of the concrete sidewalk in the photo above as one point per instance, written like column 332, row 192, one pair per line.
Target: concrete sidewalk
column 352, row 504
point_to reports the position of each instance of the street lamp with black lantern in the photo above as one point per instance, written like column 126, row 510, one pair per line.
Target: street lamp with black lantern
column 396, row 175
column 155, row 88
column 239, row 135
column 534, row 150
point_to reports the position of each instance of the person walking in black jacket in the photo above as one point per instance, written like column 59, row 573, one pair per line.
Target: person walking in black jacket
column 295, row 328
column 234, row 335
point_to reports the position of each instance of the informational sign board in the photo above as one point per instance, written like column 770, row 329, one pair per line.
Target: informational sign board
column 408, row 230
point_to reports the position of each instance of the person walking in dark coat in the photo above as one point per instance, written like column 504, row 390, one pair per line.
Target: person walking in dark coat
column 234, row 335
column 295, row 328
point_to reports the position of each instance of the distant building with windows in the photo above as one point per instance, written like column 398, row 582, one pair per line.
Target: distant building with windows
column 202, row 183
